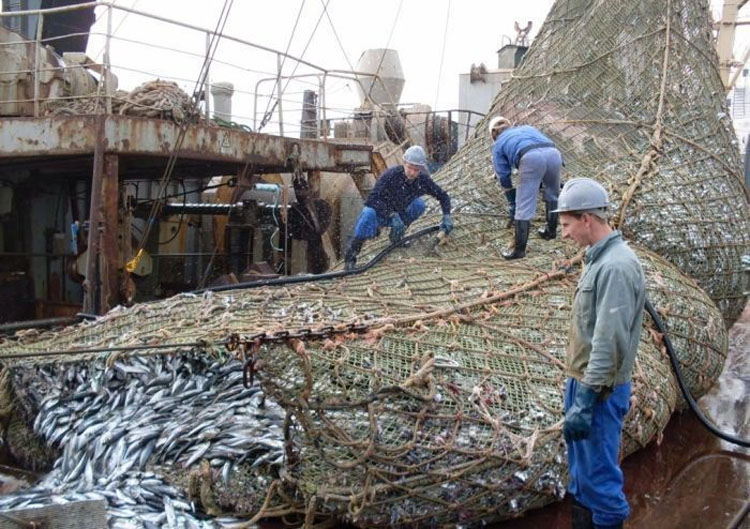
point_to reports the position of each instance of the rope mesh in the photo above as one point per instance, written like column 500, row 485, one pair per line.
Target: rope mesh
column 449, row 409
column 630, row 93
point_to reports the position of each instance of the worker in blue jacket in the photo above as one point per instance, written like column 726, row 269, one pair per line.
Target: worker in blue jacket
column 538, row 162
column 396, row 201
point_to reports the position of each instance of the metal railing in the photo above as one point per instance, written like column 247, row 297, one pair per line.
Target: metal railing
column 239, row 67
column 174, row 50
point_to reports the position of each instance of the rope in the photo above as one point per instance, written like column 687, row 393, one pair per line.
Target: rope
column 652, row 155
column 171, row 162
column 266, row 113
column 442, row 54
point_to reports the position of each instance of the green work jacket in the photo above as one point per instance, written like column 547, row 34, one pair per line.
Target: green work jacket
column 607, row 315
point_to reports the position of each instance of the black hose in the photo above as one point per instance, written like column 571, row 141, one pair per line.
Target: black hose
column 250, row 284
column 321, row 277
column 683, row 387
column 10, row 328
column 375, row 260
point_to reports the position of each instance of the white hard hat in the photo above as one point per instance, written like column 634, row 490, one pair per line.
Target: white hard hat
column 583, row 195
column 498, row 124
column 415, row 155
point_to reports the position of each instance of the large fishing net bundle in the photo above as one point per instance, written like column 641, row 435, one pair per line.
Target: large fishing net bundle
column 440, row 401
column 447, row 408
column 630, row 93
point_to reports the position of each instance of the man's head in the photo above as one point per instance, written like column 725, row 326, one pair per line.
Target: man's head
column 497, row 125
column 582, row 206
column 415, row 161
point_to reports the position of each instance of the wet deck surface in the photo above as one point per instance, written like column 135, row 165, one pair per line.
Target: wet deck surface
column 692, row 479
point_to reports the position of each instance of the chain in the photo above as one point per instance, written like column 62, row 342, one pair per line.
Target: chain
column 248, row 347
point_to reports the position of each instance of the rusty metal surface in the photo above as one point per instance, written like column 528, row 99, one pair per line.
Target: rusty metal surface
column 124, row 135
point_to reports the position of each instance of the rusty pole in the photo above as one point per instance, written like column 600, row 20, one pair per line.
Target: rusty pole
column 108, row 215
column 92, row 283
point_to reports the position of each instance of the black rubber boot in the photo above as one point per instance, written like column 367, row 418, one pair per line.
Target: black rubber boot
column 520, row 240
column 352, row 250
column 580, row 516
column 549, row 231
column 510, row 195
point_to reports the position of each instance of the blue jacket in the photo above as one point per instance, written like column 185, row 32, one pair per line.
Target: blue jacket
column 393, row 192
column 508, row 146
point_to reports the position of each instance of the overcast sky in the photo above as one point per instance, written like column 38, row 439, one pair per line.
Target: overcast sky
column 436, row 41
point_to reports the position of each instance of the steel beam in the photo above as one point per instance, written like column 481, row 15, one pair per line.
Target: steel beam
column 144, row 137
column 109, row 217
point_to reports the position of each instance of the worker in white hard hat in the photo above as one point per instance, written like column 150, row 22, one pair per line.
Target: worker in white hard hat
column 396, row 201
column 538, row 161
column 602, row 344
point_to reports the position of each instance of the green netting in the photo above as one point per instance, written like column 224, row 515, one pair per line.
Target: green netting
column 448, row 410
column 449, row 416
column 630, row 93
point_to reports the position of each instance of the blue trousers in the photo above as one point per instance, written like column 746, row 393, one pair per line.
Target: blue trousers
column 369, row 221
column 596, row 480
column 535, row 167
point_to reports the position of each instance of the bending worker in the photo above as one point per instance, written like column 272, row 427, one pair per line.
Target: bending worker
column 538, row 161
column 602, row 343
column 396, row 201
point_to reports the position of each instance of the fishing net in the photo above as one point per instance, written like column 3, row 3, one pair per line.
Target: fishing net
column 448, row 408
column 630, row 93
column 445, row 406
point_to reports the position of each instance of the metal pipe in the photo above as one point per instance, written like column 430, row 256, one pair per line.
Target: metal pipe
column 37, row 61
column 198, row 208
column 350, row 75
column 207, row 84
column 32, row 254
column 740, row 517
column 279, row 91
column 14, row 326
column 161, row 19
column 319, row 110
column 107, row 66
column 195, row 254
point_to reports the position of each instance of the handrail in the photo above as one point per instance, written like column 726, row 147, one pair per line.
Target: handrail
column 112, row 5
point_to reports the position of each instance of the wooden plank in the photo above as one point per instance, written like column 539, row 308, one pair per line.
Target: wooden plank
column 85, row 514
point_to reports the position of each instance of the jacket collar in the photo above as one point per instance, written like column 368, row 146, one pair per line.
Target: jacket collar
column 595, row 250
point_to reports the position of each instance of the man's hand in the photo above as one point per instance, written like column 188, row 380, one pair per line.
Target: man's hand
column 447, row 224
column 397, row 228
column 580, row 415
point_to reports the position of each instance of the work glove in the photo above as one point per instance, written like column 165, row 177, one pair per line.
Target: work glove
column 510, row 195
column 447, row 224
column 397, row 228
column 579, row 416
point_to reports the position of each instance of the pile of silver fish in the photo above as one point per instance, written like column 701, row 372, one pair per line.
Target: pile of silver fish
column 118, row 426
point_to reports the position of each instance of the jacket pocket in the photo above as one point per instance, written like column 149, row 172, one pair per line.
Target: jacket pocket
column 585, row 301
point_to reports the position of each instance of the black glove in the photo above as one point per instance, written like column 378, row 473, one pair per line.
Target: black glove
column 579, row 416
